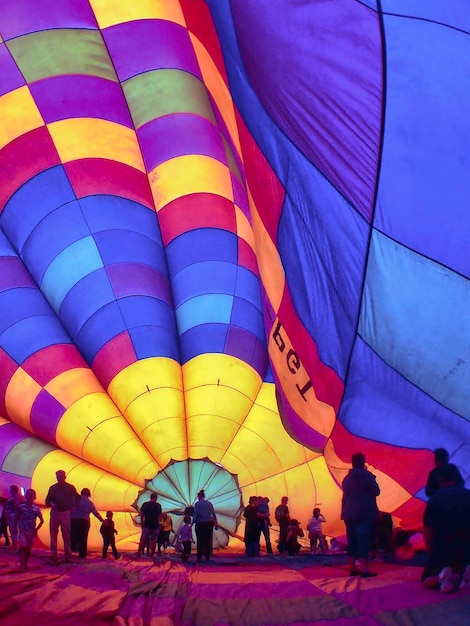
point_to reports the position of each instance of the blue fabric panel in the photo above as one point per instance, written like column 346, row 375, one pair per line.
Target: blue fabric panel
column 146, row 311
column 203, row 339
column 150, row 341
column 112, row 213
column 205, row 244
column 20, row 303
column 30, row 335
column 100, row 328
column 414, row 315
column 454, row 13
column 248, row 287
column 426, row 141
column 119, row 246
column 380, row 405
column 6, row 248
column 84, row 299
column 321, row 238
column 51, row 236
column 325, row 266
column 247, row 316
column 32, row 202
column 68, row 268
column 204, row 310
column 204, row 278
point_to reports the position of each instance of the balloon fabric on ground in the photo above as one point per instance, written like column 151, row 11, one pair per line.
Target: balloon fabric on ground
column 233, row 235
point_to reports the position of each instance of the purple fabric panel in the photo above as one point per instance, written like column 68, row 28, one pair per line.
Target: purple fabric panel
column 130, row 279
column 245, row 346
column 7, row 479
column 64, row 97
column 10, row 75
column 317, row 69
column 167, row 45
column 46, row 413
column 179, row 134
column 240, row 196
column 10, row 435
column 20, row 17
column 294, row 425
column 13, row 274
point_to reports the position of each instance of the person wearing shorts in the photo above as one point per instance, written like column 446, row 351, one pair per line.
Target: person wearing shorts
column 25, row 522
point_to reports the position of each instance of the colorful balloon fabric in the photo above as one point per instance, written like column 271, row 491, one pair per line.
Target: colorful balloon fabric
column 233, row 250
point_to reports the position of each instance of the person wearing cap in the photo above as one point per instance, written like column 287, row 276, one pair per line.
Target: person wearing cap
column 62, row 498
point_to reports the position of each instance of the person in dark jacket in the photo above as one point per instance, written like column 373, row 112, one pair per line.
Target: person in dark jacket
column 441, row 460
column 359, row 512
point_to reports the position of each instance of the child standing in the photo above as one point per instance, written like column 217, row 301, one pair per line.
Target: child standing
column 315, row 532
column 25, row 525
column 185, row 535
column 108, row 531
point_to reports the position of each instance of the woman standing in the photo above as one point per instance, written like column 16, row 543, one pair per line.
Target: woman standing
column 205, row 521
column 80, row 523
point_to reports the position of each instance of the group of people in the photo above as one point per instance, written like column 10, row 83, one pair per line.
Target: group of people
column 157, row 526
column 446, row 523
column 70, row 513
column 258, row 523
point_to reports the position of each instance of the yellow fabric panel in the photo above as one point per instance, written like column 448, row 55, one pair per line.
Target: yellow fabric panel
column 221, row 369
column 187, row 175
column 262, row 448
column 19, row 115
column 93, row 429
column 21, row 392
column 109, row 13
column 219, row 392
column 108, row 492
column 142, row 376
column 73, row 384
column 218, row 89
column 303, row 498
column 158, row 419
column 244, row 229
column 269, row 262
column 81, row 138
column 293, row 379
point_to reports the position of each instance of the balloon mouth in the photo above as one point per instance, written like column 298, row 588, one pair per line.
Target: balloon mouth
column 178, row 484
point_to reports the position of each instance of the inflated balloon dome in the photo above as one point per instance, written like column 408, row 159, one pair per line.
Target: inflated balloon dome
column 233, row 234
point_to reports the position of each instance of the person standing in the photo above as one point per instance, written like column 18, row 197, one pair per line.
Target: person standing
column 25, row 522
column 150, row 514
column 265, row 522
column 282, row 516
column 315, row 531
column 205, row 520
column 441, row 459
column 185, row 535
column 80, row 523
column 61, row 497
column 11, row 509
column 359, row 511
column 164, row 534
column 108, row 532
column 252, row 527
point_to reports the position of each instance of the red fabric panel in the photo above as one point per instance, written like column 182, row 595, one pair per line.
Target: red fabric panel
column 46, row 364
column 199, row 21
column 23, row 158
column 113, row 357
column 102, row 176
column 199, row 210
